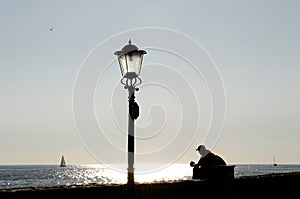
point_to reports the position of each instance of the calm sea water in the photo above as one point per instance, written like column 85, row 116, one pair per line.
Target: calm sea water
column 20, row 176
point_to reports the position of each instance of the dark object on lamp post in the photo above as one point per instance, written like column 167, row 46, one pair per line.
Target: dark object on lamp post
column 130, row 59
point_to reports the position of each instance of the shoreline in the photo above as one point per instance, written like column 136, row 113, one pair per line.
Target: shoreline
column 267, row 185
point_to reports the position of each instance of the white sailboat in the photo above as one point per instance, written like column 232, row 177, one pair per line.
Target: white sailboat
column 274, row 163
column 62, row 162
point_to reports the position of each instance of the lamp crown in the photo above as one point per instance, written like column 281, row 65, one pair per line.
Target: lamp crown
column 129, row 48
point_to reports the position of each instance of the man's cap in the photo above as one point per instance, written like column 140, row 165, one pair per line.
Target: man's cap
column 199, row 147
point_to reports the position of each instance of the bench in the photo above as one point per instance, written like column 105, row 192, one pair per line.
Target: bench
column 214, row 173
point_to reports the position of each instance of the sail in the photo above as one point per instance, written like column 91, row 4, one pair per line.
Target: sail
column 62, row 162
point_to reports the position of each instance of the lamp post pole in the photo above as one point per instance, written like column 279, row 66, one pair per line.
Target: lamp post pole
column 130, row 59
column 132, row 106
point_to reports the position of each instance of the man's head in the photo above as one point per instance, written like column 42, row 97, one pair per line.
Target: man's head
column 202, row 149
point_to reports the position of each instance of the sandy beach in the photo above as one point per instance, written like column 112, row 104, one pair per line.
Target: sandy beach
column 271, row 185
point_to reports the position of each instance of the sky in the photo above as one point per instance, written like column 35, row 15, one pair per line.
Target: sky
column 221, row 73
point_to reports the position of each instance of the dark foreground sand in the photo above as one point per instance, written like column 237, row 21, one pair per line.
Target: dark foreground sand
column 283, row 185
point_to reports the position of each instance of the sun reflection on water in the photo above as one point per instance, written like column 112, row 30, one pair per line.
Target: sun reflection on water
column 99, row 174
column 173, row 172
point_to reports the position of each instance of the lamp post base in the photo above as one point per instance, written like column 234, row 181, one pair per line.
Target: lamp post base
column 131, row 192
column 130, row 178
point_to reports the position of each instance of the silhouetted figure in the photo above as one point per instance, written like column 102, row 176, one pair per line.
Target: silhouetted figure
column 207, row 158
column 214, row 169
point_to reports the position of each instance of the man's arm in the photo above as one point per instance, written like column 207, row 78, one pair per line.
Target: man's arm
column 193, row 164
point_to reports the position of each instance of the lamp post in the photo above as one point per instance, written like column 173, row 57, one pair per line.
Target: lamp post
column 130, row 59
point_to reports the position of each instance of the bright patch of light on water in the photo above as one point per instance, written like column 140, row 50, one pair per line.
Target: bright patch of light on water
column 148, row 174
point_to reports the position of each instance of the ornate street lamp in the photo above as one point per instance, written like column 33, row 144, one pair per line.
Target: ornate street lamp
column 130, row 59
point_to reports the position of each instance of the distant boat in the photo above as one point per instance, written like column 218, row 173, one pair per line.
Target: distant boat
column 274, row 163
column 62, row 162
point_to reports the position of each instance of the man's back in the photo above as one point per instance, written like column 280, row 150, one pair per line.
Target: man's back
column 211, row 160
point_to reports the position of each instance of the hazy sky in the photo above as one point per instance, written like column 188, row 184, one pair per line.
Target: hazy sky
column 254, row 45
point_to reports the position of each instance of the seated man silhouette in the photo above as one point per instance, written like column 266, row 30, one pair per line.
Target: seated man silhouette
column 207, row 160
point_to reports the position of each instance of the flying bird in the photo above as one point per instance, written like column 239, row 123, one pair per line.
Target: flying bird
column 51, row 29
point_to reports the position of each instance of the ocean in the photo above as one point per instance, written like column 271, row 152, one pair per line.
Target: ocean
column 24, row 176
